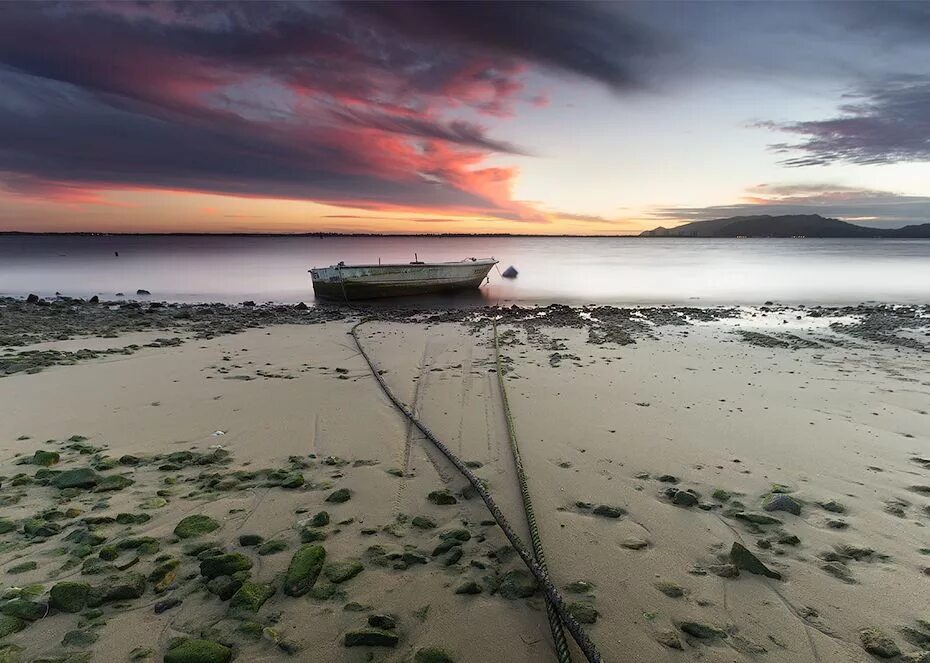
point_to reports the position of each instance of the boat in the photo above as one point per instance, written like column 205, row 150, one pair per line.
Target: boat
column 353, row 282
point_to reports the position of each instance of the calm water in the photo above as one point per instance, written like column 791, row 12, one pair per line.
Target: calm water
column 567, row 270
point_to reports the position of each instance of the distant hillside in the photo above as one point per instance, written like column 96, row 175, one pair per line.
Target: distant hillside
column 791, row 225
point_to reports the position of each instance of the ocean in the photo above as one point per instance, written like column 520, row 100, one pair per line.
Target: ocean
column 570, row 270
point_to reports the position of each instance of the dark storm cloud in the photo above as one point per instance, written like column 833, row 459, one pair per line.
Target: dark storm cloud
column 862, row 206
column 338, row 103
column 884, row 123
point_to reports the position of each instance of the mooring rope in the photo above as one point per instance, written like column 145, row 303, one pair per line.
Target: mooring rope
column 553, row 597
column 555, row 623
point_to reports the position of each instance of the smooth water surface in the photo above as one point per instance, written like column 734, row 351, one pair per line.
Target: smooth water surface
column 566, row 270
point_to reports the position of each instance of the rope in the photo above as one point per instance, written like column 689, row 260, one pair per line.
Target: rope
column 555, row 624
column 542, row 577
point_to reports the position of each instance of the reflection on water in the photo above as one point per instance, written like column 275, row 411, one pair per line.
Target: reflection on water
column 568, row 270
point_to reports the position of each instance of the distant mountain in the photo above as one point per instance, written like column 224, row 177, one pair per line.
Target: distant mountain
column 789, row 225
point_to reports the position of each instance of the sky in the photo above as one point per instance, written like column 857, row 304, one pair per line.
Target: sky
column 412, row 117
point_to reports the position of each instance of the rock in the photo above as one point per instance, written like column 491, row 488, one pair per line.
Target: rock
column 370, row 637
column 132, row 518
column 195, row 525
column 509, row 273
column 304, row 569
column 272, row 547
column 130, row 586
column 878, row 643
column 517, row 584
column 916, row 657
column 442, row 497
column 250, row 597
column 422, row 522
column 579, row 587
column 724, row 570
column 167, row 604
column 833, row 523
column 80, row 478
column 445, row 546
column 702, row 631
column 668, row 638
column 249, row 540
column 382, row 621
column 667, row 478
column 468, row 587
column 788, row 539
column 684, row 498
column 432, row 655
column 756, row 518
column 721, row 495
column 339, row 496
column 198, row 651
column 69, row 596
column 10, row 625
column 6, row 525
column 839, row 570
column 782, row 502
column 223, row 587
column 224, row 565
column 311, row 535
column 32, row 298
column 164, row 574
column 338, row 572
column 832, row 506
column 114, row 482
column 142, row 291
column 584, row 613
column 608, row 511
column 24, row 609
column 670, row 589
column 634, row 544
column 743, row 559
column 321, row 519
column 456, row 554
column 45, row 458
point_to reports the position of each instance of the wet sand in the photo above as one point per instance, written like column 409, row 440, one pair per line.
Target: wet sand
column 684, row 421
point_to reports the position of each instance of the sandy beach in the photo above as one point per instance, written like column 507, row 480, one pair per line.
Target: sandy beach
column 653, row 441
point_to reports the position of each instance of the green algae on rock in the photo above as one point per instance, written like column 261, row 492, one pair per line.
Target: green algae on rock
column 224, row 565
column 198, row 651
column 195, row 525
column 304, row 569
column 69, row 596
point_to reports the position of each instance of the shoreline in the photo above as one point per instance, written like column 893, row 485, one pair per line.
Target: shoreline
column 654, row 438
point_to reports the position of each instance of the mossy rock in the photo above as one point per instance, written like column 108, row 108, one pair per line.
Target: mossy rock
column 272, row 547
column 432, row 655
column 442, row 497
column 45, row 458
column 152, row 503
column 224, row 565
column 39, row 528
column 132, row 518
column 304, row 569
column 517, row 584
column 80, row 478
column 224, row 587
column 321, row 519
column 338, row 572
column 24, row 609
column 195, row 525
column 120, row 588
column 198, row 651
column 249, row 540
column 370, row 637
column 250, row 597
column 6, row 525
column 164, row 574
column 79, row 638
column 69, row 596
column 339, row 496
column 583, row 612
column 10, row 625
column 312, row 534
column 108, row 553
column 422, row 522
column 111, row 483
column 878, row 643
column 22, row 568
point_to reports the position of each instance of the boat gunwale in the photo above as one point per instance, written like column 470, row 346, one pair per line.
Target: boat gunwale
column 478, row 261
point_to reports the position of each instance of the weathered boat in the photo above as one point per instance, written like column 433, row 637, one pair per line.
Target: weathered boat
column 352, row 282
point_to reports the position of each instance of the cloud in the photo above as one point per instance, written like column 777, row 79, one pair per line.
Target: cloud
column 862, row 206
column 880, row 124
column 350, row 104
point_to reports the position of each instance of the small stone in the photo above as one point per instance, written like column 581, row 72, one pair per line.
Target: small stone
column 432, row 655
column 23, row 567
column 756, row 518
column 702, row 631
column 198, row 651
column 272, row 547
column 721, row 496
column 79, row 638
column 839, row 570
column 782, row 502
column 468, row 587
column 743, row 559
column 24, row 609
column 832, row 506
column 608, row 511
column 833, row 523
column 164, row 574
column 382, row 621
column 304, row 569
column 130, row 586
column 788, row 540
column 634, row 544
column 422, row 522
column 442, row 497
column 667, row 478
column 878, row 643
column 668, row 638
column 195, row 525
column 684, row 498
column 79, row 478
column 10, row 625
column 370, row 638
column 670, row 589
column 339, row 496
column 167, row 604
column 584, row 613
column 249, row 540
column 724, row 570
column 338, row 572
column 45, row 458
column 113, row 482
column 321, row 519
